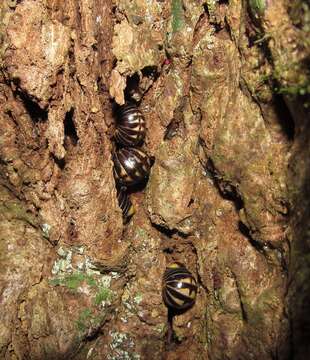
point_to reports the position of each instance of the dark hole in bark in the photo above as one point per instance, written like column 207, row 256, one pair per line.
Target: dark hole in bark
column 94, row 334
column 243, row 312
column 246, row 232
column 287, row 122
column 171, row 338
column 171, row 130
column 168, row 250
column 218, row 26
column 132, row 91
column 306, row 63
column 190, row 202
column 189, row 64
column 132, row 87
column 256, row 39
column 101, row 85
column 35, row 112
column 151, row 72
column 69, row 127
column 60, row 162
column 298, row 290
column 227, row 190
column 71, row 230
column 115, row 110
column 169, row 233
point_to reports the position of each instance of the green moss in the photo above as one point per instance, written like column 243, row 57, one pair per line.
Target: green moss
column 177, row 15
column 83, row 319
column 90, row 281
column 89, row 319
column 73, row 281
column 257, row 7
column 99, row 293
column 294, row 90
column 104, row 294
column 14, row 210
column 292, row 77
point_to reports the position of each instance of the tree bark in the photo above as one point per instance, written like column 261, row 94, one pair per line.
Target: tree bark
column 224, row 87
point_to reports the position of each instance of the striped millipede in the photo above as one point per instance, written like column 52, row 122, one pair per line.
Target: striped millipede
column 131, row 164
column 130, row 126
column 179, row 287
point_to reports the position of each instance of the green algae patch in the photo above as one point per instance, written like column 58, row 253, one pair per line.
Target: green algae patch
column 14, row 210
column 73, row 281
column 104, row 294
column 83, row 318
column 78, row 281
column 295, row 89
column 257, row 7
column 177, row 15
column 75, row 272
column 88, row 319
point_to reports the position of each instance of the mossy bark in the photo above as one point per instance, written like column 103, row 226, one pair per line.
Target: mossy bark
column 224, row 88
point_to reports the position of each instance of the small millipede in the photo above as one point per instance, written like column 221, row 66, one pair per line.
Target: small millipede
column 179, row 288
column 130, row 126
column 131, row 166
column 125, row 204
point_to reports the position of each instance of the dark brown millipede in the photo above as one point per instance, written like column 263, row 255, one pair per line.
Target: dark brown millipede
column 125, row 203
column 130, row 126
column 131, row 166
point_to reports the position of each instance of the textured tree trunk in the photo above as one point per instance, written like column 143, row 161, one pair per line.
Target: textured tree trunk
column 224, row 87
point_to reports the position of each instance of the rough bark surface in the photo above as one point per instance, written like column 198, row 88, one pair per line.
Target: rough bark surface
column 224, row 87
